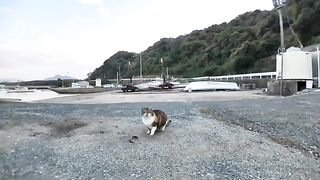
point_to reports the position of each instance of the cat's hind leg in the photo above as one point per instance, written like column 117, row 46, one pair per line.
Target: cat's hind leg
column 153, row 129
column 164, row 126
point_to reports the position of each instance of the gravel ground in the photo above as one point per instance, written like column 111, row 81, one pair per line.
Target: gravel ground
column 259, row 138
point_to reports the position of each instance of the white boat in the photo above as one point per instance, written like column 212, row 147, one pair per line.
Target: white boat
column 210, row 86
column 9, row 100
column 5, row 99
column 2, row 91
column 20, row 90
column 149, row 85
column 156, row 85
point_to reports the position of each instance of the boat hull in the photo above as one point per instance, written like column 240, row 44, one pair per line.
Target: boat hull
column 9, row 100
column 81, row 90
column 210, row 86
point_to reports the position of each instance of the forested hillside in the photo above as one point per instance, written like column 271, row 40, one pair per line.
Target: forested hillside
column 246, row 44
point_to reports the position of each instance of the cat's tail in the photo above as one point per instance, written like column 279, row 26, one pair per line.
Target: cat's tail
column 168, row 123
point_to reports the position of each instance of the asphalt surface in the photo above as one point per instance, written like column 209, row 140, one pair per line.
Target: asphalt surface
column 261, row 138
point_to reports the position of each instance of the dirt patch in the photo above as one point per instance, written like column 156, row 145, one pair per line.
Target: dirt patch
column 5, row 125
column 66, row 127
column 292, row 144
column 2, row 125
column 226, row 115
column 231, row 117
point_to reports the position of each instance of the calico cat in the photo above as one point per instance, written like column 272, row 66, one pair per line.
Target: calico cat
column 154, row 119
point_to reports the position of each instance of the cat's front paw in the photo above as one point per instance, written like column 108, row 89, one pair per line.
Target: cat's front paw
column 148, row 132
column 153, row 130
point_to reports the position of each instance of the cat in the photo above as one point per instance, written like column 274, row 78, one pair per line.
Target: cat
column 154, row 119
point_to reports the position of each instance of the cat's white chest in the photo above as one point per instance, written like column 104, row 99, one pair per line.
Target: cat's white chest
column 147, row 120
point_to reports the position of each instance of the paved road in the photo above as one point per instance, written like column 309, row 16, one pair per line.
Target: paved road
column 246, row 138
column 157, row 96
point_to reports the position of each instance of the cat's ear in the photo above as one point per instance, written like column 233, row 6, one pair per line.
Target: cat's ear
column 150, row 108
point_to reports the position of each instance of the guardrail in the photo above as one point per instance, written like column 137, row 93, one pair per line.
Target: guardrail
column 264, row 75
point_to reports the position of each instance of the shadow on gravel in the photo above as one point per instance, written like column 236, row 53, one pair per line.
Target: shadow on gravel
column 65, row 127
column 226, row 115
column 6, row 125
column 3, row 125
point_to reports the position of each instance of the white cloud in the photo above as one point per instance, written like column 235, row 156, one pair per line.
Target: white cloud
column 30, row 50
column 104, row 13
column 26, row 65
column 92, row 2
column 6, row 10
column 48, row 43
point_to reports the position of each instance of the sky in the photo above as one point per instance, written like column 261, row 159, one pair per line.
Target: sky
column 44, row 38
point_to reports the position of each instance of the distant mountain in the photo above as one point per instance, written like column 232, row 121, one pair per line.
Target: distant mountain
column 56, row 77
column 10, row 80
column 246, row 44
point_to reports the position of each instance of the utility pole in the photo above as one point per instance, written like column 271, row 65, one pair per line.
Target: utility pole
column 167, row 72
column 117, row 78
column 278, row 5
column 281, row 28
column 162, row 71
column 282, row 49
column 130, row 73
column 318, row 52
column 140, row 66
column 119, row 75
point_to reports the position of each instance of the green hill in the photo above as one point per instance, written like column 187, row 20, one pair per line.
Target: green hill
column 246, row 44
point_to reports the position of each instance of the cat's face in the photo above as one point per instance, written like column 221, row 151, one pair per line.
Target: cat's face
column 147, row 111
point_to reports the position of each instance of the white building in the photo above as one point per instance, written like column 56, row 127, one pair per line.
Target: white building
column 98, row 82
column 80, row 84
column 297, row 65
